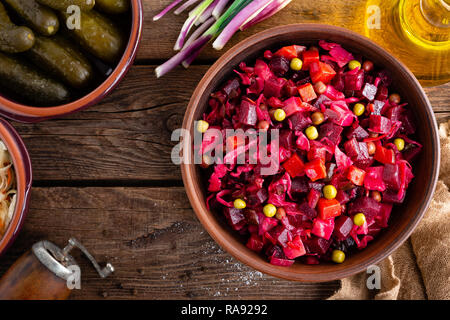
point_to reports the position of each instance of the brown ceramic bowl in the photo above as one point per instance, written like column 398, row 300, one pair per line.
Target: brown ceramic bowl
column 26, row 113
column 404, row 217
column 22, row 169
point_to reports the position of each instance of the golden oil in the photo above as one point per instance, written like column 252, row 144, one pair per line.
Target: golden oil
column 415, row 31
column 426, row 22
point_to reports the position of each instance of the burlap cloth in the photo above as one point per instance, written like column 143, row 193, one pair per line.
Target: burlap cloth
column 420, row 268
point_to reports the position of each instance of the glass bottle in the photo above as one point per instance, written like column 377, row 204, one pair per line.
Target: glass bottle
column 415, row 31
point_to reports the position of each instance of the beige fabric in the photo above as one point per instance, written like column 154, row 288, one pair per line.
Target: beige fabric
column 420, row 268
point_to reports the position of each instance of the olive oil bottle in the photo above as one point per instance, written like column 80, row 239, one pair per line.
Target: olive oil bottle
column 415, row 31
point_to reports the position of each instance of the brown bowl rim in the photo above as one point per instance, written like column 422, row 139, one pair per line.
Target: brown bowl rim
column 23, row 173
column 26, row 113
column 210, row 222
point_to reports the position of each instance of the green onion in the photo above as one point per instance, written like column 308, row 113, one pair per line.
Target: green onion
column 214, row 22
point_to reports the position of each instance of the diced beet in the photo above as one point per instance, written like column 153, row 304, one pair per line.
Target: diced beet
column 316, row 185
column 391, row 196
column 273, row 87
column 311, row 260
column 391, row 176
column 292, row 105
column 235, row 217
column 279, row 65
column 299, row 185
column 307, row 211
column 395, row 113
column 286, row 140
column 357, row 132
column 374, row 179
column 255, row 243
column 339, row 80
column 370, row 207
column 275, row 103
column 251, row 216
column 232, row 88
column 333, row 94
column 380, row 124
column 262, row 70
column 266, row 224
column 342, row 227
column 294, row 248
column 342, row 196
column 352, row 148
column 317, row 245
column 299, row 121
column 323, row 228
column 297, row 221
column 290, row 89
column 313, row 198
column 331, row 131
column 321, row 99
column 369, row 91
column 257, row 198
column 279, row 235
column 408, row 126
column 383, row 217
column 354, row 82
column 382, row 93
column 281, row 262
column 247, row 113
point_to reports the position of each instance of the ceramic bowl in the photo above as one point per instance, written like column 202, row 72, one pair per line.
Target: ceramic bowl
column 23, row 173
column 27, row 113
column 404, row 217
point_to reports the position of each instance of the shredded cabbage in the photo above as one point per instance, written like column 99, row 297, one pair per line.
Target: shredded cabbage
column 8, row 194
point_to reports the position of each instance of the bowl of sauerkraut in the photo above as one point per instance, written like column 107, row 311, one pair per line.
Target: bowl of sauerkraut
column 15, row 184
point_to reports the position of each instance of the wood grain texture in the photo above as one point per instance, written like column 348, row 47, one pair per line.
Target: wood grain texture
column 127, row 135
column 158, row 38
column 154, row 241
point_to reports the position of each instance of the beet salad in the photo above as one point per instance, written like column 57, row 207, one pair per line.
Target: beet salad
column 344, row 150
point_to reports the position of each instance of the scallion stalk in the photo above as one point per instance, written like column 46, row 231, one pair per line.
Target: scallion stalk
column 194, row 15
column 167, row 9
column 268, row 12
column 185, row 5
column 247, row 13
column 199, row 31
column 207, row 13
column 218, row 10
column 196, row 45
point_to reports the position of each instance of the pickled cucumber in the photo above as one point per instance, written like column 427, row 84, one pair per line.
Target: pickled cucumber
column 60, row 59
column 13, row 39
column 25, row 81
column 40, row 18
column 112, row 6
column 62, row 5
column 99, row 36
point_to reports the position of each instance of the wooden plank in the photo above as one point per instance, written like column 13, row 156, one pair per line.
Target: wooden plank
column 155, row 242
column 127, row 135
column 158, row 38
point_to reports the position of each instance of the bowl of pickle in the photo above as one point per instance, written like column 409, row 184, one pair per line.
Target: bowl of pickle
column 60, row 56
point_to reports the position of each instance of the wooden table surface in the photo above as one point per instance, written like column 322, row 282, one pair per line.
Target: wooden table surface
column 104, row 176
